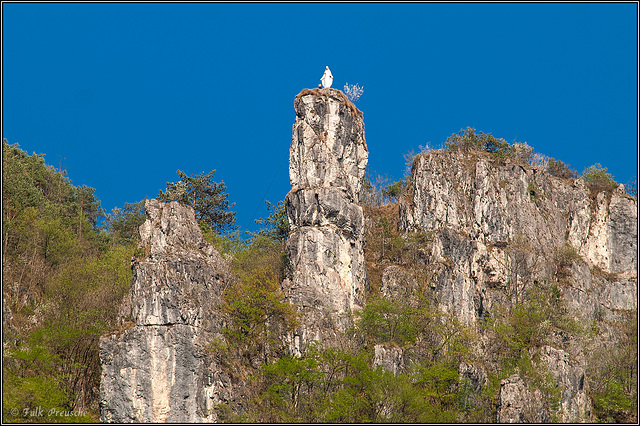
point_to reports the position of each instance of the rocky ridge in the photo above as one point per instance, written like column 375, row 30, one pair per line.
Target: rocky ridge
column 497, row 224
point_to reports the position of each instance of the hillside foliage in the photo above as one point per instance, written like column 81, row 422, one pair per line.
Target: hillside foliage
column 64, row 276
column 67, row 266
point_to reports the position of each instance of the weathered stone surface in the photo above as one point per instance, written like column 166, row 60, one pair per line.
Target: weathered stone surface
column 398, row 284
column 325, row 207
column 575, row 405
column 498, row 226
column 474, row 376
column 327, row 161
column 157, row 368
column 390, row 359
column 518, row 404
column 495, row 223
column 328, row 148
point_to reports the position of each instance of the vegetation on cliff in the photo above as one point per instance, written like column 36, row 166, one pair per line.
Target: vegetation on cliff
column 65, row 273
column 476, row 143
column 64, row 276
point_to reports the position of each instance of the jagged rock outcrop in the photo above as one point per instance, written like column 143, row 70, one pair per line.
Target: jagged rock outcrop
column 327, row 162
column 389, row 358
column 496, row 227
column 518, row 403
column 156, row 368
column 495, row 223
column 567, row 372
column 473, row 376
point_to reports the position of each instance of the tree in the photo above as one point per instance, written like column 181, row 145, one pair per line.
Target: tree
column 632, row 187
column 123, row 223
column 276, row 225
column 468, row 140
column 353, row 91
column 522, row 152
column 209, row 199
column 394, row 191
column 559, row 169
column 87, row 206
column 598, row 179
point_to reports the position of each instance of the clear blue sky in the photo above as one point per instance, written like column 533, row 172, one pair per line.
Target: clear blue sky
column 122, row 94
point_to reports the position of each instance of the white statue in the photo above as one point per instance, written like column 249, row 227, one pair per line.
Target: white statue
column 327, row 78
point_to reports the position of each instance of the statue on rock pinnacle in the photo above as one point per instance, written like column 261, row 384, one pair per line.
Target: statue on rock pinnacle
column 327, row 78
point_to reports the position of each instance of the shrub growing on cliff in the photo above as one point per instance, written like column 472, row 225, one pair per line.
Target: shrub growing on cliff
column 559, row 169
column 259, row 315
column 209, row 199
column 384, row 320
column 374, row 190
column 353, row 91
column 123, row 223
column 395, row 190
column 339, row 386
column 276, row 225
column 468, row 140
column 63, row 280
column 255, row 302
column 613, row 376
column 521, row 151
column 632, row 187
column 598, row 179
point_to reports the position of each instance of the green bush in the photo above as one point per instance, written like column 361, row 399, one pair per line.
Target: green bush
column 598, row 179
column 559, row 169
column 613, row 376
column 338, row 386
column 468, row 140
column 209, row 199
column 395, row 190
column 385, row 320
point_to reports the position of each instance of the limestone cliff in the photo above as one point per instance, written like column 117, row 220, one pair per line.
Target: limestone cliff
column 488, row 230
column 156, row 368
column 517, row 403
column 327, row 162
column 497, row 227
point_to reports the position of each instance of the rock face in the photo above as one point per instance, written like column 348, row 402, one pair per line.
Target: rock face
column 327, row 162
column 517, row 403
column 495, row 228
column 156, row 368
column 497, row 224
column 575, row 405
column 390, row 359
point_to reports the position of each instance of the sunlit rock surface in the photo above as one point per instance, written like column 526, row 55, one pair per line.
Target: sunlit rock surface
column 496, row 223
column 327, row 162
column 156, row 368
column 495, row 228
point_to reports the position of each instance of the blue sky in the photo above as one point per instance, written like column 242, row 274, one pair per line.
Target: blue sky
column 123, row 94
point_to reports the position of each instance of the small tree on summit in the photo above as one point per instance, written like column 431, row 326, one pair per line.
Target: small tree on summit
column 353, row 91
column 598, row 179
column 209, row 199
